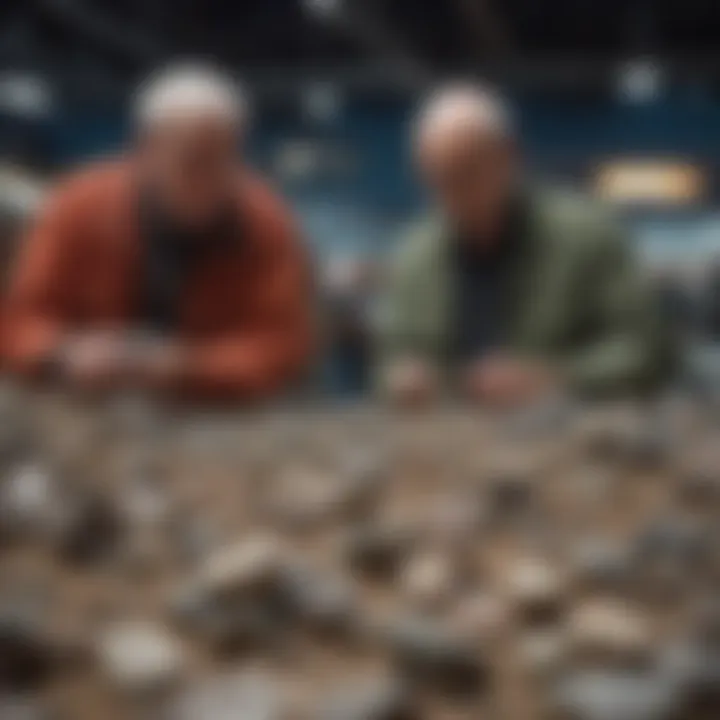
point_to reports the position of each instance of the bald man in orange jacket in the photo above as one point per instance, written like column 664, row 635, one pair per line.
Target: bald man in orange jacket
column 171, row 269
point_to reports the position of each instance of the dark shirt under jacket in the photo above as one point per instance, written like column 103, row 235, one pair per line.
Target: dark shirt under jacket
column 483, row 275
column 170, row 255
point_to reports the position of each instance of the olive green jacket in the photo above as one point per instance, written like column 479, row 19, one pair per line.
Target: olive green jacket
column 577, row 300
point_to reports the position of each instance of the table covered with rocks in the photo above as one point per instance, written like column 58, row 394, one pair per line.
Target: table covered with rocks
column 352, row 564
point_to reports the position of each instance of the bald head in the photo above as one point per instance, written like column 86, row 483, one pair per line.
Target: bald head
column 188, row 93
column 464, row 146
column 188, row 120
column 475, row 112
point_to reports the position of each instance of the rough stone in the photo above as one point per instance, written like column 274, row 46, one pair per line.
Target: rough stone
column 644, row 449
column 510, row 490
column 544, row 653
column 545, row 417
column 91, row 529
column 627, row 438
column 227, row 625
column 23, row 708
column 303, row 498
column 607, row 631
column 429, row 580
column 456, row 520
column 368, row 699
column 246, row 696
column 602, row 695
column 194, row 538
column 324, row 602
column 28, row 501
column 426, row 653
column 365, row 474
column 378, row 551
column 27, row 657
column 142, row 554
column 247, row 567
column 697, row 675
column 537, row 589
column 599, row 564
column 145, row 503
column 480, row 616
column 140, row 657
column 674, row 543
column 700, row 485
column 704, row 621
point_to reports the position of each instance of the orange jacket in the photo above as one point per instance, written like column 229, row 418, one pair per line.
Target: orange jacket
column 245, row 318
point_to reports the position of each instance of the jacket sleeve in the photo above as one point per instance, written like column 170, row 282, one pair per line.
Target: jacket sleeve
column 632, row 351
column 260, row 357
column 39, row 302
column 408, row 318
column 392, row 316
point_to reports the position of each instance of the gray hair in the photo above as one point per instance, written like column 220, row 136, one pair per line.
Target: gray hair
column 463, row 105
column 188, row 91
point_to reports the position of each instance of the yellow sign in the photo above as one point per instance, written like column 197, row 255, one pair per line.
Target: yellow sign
column 650, row 182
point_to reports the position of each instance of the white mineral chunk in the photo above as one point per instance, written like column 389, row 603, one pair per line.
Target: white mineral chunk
column 140, row 656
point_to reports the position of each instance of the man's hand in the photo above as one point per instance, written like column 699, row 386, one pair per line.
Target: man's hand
column 102, row 360
column 160, row 365
column 95, row 360
column 506, row 381
column 411, row 382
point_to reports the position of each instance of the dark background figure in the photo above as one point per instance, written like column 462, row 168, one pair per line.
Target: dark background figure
column 350, row 287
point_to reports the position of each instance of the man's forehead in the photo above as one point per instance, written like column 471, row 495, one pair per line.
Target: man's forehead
column 466, row 144
column 460, row 117
column 188, row 92
column 195, row 131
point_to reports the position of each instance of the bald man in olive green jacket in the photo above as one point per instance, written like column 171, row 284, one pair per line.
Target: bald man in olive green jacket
column 509, row 291
column 579, row 303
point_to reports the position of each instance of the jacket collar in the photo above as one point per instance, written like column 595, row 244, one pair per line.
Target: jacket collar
column 435, row 249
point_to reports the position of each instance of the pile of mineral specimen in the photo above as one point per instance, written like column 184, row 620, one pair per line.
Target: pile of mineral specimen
column 349, row 565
